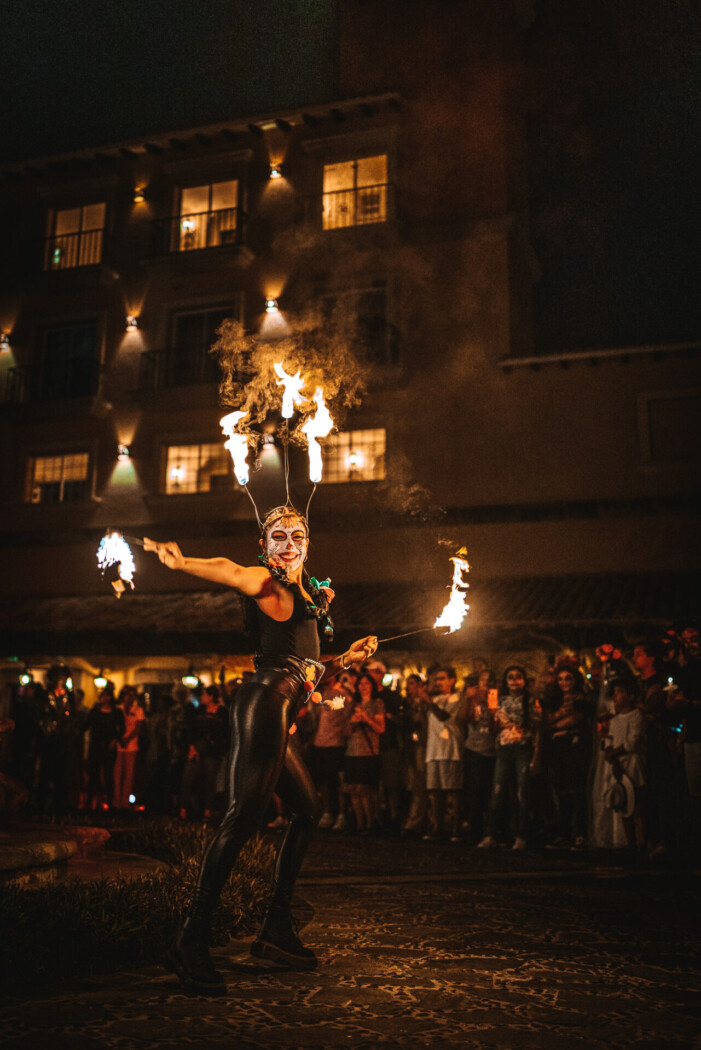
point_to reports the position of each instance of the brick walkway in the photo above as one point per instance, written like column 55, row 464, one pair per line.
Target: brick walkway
column 435, row 946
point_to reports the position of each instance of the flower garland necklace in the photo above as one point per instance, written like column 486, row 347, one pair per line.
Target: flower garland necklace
column 318, row 607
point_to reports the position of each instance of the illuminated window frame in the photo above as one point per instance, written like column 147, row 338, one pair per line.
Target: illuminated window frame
column 354, row 455
column 189, row 469
column 59, row 478
column 356, row 204
column 80, row 247
column 210, row 227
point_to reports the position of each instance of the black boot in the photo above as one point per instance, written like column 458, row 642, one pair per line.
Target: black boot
column 189, row 958
column 279, row 942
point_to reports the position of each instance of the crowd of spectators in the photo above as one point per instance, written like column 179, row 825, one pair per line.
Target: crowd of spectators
column 609, row 759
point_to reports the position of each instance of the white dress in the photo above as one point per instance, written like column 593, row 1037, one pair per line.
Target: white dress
column 601, row 817
column 627, row 730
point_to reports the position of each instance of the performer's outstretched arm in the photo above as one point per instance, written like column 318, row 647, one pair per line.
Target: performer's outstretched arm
column 252, row 580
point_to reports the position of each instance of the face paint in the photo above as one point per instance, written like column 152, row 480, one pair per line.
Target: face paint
column 286, row 543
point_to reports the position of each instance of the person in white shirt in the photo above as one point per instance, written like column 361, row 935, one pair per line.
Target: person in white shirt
column 444, row 754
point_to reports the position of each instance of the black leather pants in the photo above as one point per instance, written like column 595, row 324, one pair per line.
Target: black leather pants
column 264, row 759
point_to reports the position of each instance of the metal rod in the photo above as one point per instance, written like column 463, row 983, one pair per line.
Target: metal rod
column 407, row 634
column 133, row 539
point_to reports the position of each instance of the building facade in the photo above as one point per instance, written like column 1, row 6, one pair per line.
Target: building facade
column 569, row 472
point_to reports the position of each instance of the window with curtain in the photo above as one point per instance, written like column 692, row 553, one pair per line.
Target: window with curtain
column 208, row 215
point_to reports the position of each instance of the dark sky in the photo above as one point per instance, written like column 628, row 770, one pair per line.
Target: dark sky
column 86, row 72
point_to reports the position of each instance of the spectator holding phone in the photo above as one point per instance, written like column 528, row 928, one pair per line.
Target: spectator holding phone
column 517, row 722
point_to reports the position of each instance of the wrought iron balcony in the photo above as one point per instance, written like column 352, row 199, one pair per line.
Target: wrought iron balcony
column 68, row 251
column 177, row 367
column 206, row 229
column 359, row 206
column 74, row 377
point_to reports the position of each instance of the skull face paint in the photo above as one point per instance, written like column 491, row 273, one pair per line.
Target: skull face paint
column 286, row 543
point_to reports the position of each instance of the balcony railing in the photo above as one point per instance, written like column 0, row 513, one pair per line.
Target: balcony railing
column 175, row 367
column 56, row 379
column 66, row 251
column 206, row 229
column 362, row 206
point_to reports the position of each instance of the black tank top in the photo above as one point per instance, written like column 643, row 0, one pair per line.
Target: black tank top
column 298, row 636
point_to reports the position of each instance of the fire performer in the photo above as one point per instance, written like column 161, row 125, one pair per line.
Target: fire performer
column 286, row 612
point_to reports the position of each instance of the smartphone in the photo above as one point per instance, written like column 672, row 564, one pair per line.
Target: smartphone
column 493, row 699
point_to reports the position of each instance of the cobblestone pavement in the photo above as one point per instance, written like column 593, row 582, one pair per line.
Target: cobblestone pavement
column 423, row 946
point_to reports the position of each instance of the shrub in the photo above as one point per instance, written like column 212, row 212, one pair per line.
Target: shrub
column 75, row 928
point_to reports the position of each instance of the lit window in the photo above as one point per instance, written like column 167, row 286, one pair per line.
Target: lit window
column 75, row 237
column 207, row 215
column 197, row 468
column 356, row 455
column 58, row 479
column 355, row 192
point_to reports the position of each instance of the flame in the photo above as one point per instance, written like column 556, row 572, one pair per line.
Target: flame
column 292, row 394
column 237, row 445
column 114, row 550
column 318, row 425
column 454, row 612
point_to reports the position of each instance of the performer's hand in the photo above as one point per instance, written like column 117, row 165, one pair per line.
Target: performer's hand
column 168, row 553
column 361, row 650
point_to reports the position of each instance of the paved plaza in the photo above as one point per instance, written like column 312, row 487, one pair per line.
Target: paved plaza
column 423, row 945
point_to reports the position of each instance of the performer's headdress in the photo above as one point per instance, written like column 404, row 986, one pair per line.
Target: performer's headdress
column 284, row 511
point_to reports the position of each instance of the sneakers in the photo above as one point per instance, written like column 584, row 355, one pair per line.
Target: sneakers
column 488, row 842
column 189, row 958
column 278, row 941
column 341, row 823
column 326, row 821
column 519, row 843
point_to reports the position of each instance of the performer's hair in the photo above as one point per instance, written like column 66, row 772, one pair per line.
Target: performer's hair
column 286, row 511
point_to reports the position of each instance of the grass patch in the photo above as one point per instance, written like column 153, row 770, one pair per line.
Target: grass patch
column 73, row 928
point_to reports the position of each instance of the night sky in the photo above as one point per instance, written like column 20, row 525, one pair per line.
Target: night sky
column 88, row 72
column 612, row 133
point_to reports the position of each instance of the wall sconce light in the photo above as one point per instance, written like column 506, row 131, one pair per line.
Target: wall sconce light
column 177, row 475
column 271, row 306
column 99, row 680
column 139, row 195
column 132, row 323
column 26, row 678
column 4, row 343
column 123, row 453
column 275, row 172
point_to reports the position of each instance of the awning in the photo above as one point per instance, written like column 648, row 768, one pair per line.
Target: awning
column 505, row 612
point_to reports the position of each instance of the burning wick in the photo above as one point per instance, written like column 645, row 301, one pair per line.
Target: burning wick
column 454, row 612
column 237, row 445
column 114, row 550
column 292, row 394
column 318, row 425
